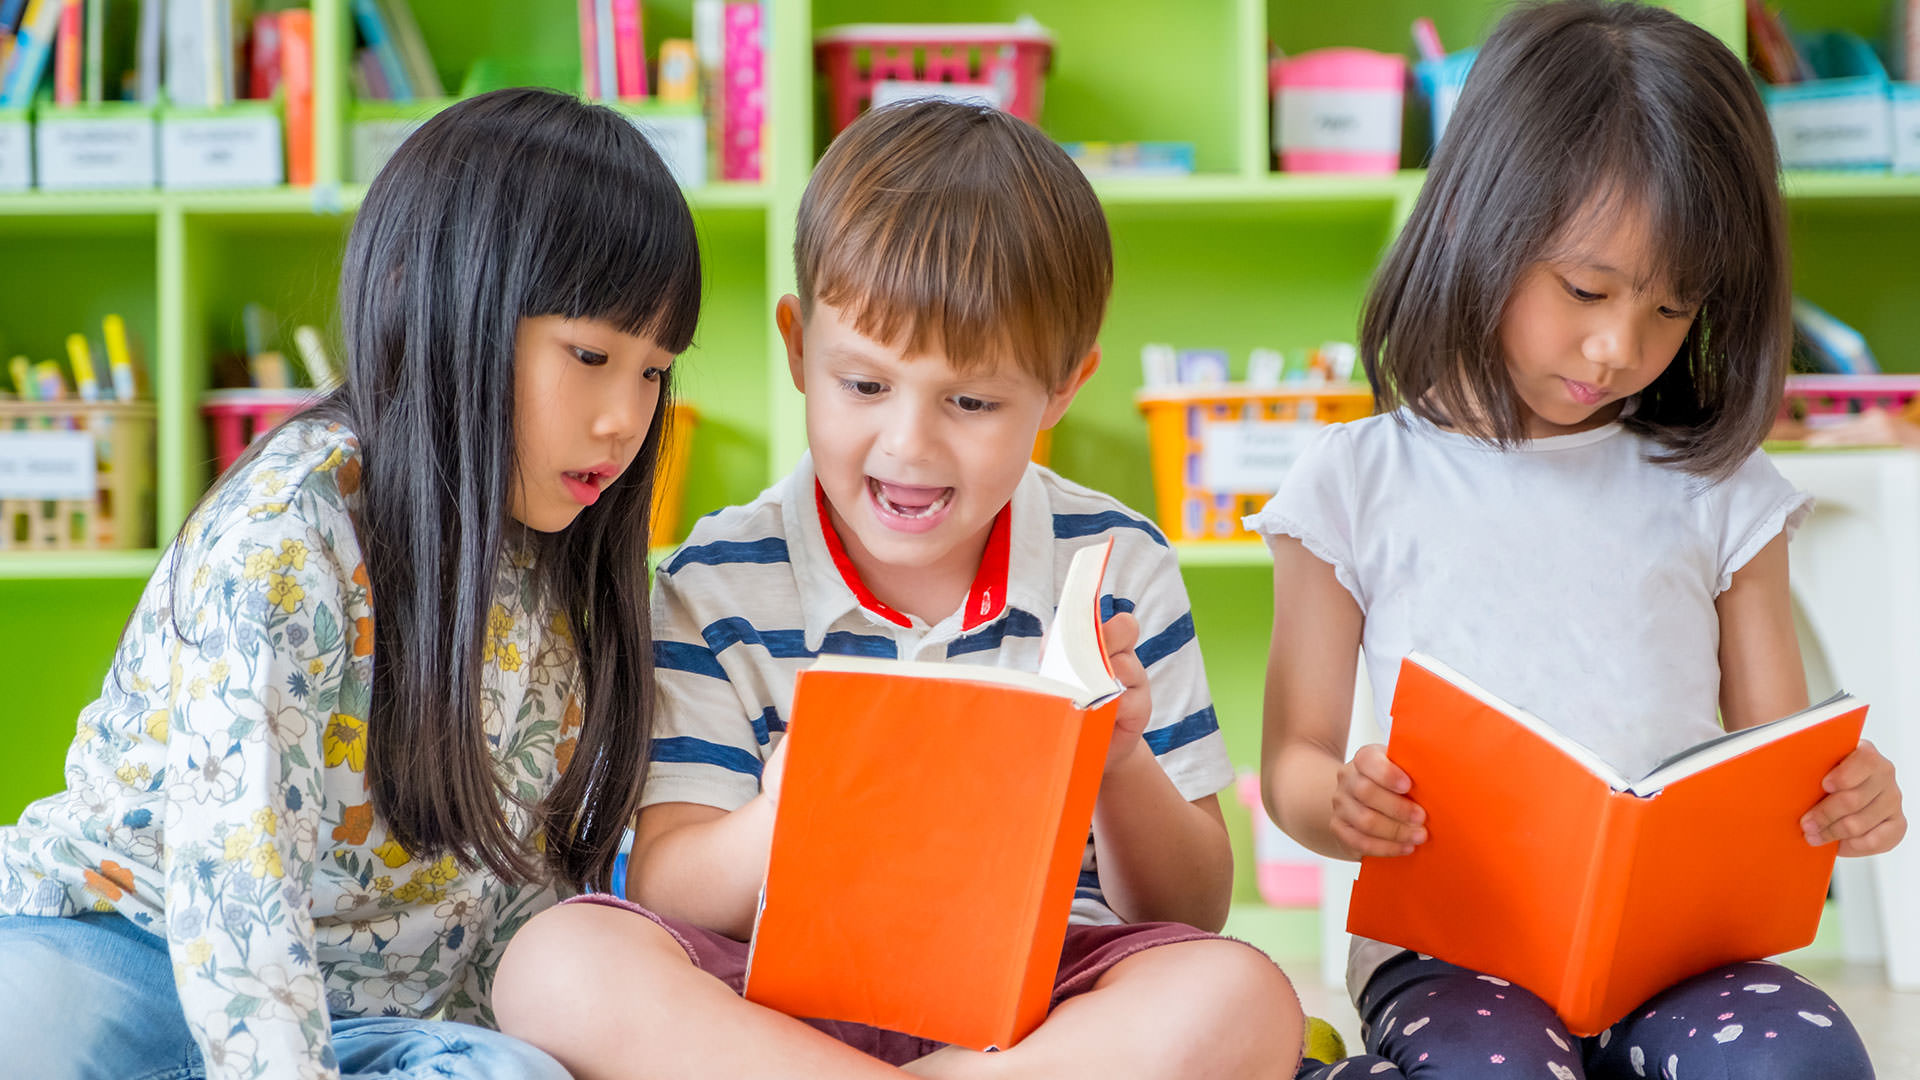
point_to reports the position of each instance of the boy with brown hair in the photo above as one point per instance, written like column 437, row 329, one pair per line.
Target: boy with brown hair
column 953, row 268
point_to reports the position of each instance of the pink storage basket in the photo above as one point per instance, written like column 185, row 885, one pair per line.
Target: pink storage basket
column 1829, row 395
column 1338, row 110
column 237, row 417
column 1012, row 58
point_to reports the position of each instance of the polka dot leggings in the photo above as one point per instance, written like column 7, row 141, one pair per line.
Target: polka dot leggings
column 1429, row 1020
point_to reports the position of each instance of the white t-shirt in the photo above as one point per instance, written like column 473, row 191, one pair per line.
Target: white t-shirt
column 1570, row 576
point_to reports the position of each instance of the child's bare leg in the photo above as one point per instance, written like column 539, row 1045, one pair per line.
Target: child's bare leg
column 612, row 995
column 1192, row 1010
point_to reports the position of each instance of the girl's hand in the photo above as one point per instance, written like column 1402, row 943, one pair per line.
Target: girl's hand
column 1371, row 813
column 1120, row 633
column 1862, row 807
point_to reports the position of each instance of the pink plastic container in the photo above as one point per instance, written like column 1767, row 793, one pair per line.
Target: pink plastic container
column 1009, row 58
column 1823, row 395
column 237, row 417
column 1287, row 874
column 1338, row 110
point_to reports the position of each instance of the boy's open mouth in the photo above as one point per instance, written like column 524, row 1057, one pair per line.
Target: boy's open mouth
column 908, row 501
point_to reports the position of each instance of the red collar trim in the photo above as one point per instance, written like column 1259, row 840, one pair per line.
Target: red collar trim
column 986, row 600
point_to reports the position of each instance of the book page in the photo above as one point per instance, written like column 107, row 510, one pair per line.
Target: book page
column 1075, row 652
column 933, row 669
column 1587, row 759
column 1705, row 755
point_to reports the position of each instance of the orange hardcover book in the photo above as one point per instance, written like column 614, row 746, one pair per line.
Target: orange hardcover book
column 296, row 76
column 930, row 831
column 1544, row 866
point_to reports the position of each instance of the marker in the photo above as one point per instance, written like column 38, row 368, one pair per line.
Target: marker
column 23, row 378
column 82, row 359
column 119, row 358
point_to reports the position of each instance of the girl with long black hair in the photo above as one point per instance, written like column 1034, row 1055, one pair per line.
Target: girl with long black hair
column 386, row 696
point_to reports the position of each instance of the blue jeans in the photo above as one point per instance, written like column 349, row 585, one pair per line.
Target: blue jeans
column 92, row 997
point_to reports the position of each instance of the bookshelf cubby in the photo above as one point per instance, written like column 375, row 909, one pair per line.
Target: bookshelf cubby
column 1234, row 257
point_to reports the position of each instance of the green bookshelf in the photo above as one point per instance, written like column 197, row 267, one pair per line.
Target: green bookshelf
column 1234, row 257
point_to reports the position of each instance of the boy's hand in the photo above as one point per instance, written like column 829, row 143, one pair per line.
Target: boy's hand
column 1862, row 807
column 1371, row 813
column 1120, row 633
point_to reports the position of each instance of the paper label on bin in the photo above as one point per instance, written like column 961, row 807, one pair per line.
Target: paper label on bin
column 1338, row 121
column 373, row 142
column 47, row 465
column 893, row 91
column 220, row 151
column 74, row 153
column 1245, row 456
column 681, row 142
column 1831, row 132
column 16, row 155
column 1906, row 136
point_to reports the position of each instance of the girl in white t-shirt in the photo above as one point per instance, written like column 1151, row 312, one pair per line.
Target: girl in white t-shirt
column 1577, row 344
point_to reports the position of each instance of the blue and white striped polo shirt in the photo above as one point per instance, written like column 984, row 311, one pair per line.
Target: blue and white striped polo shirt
column 755, row 594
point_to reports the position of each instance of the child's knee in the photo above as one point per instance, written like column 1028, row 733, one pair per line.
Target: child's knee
column 570, row 956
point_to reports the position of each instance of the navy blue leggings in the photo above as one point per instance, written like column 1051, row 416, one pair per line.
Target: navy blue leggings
column 1429, row 1020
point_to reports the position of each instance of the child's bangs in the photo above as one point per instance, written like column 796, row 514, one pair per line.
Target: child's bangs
column 930, row 278
column 614, row 241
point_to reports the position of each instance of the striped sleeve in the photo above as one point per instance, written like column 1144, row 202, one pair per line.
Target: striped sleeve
column 707, row 747
column 1184, row 733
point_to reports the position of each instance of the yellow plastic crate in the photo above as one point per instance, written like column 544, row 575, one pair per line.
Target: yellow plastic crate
column 1178, row 421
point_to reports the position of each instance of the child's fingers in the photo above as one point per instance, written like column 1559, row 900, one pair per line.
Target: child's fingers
column 1850, row 815
column 1120, row 633
column 1363, row 844
column 1372, row 762
column 1372, row 811
column 1857, row 768
column 1881, row 837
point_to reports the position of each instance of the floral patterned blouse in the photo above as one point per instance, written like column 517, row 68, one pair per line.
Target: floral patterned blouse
column 216, row 791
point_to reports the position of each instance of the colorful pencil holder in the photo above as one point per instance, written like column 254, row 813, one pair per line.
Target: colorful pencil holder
column 1005, row 63
column 1219, row 452
column 76, row 476
column 1338, row 110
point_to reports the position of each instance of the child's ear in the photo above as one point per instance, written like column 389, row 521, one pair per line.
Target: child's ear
column 1058, row 401
column 786, row 315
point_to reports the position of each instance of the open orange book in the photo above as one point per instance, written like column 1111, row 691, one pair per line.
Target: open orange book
column 1544, row 866
column 931, row 826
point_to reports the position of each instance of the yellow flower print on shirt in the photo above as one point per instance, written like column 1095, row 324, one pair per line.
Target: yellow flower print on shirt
column 269, row 481
column 498, row 650
column 239, row 841
column 157, row 725
column 293, row 553
column 284, row 592
column 259, row 565
column 264, row 861
column 393, row 854
column 345, row 740
column 429, row 885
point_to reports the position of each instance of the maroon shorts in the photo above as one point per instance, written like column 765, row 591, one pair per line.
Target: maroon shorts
column 1089, row 951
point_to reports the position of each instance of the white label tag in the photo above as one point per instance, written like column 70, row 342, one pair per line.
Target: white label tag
column 16, row 155
column 1906, row 135
column 1247, row 456
column 46, row 465
column 220, row 151
column 1831, row 132
column 1350, row 121
column 374, row 141
column 892, row 91
column 93, row 154
column 681, row 142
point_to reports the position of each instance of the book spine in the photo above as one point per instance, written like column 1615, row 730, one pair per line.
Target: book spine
column 366, row 15
column 743, row 93
column 607, row 61
column 412, row 47
column 296, row 74
column 95, row 22
column 30, row 52
column 1582, row 998
column 147, row 74
column 631, row 73
column 263, row 72
column 589, row 53
column 66, row 56
column 10, row 12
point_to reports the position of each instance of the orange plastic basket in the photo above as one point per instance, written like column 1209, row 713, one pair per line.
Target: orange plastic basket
column 1178, row 423
column 670, row 481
